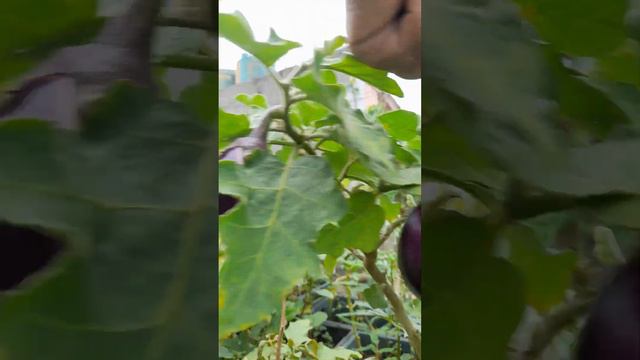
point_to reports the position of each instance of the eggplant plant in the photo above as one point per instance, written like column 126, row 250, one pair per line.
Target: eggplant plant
column 314, row 178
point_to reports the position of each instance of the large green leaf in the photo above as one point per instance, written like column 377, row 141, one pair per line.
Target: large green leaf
column 234, row 27
column 132, row 198
column 29, row 32
column 582, row 28
column 268, row 235
column 622, row 65
column 484, row 77
column 359, row 228
column 375, row 77
column 624, row 213
column 607, row 167
column 472, row 301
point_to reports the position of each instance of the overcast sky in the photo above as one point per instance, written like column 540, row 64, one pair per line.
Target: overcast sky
column 309, row 22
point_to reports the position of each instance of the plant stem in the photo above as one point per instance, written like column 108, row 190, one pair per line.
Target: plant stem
column 391, row 228
column 192, row 62
column 353, row 319
column 183, row 22
column 346, row 168
column 283, row 143
column 395, row 302
column 283, row 323
column 552, row 324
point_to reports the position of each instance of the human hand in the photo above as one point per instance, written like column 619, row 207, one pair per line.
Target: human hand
column 386, row 34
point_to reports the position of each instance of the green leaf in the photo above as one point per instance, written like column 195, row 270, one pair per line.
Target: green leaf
column 474, row 301
column 363, row 137
column 201, row 97
column 606, row 167
column 400, row 124
column 624, row 213
column 29, row 33
column 359, row 228
column 586, row 105
column 297, row 332
column 391, row 209
column 255, row 101
column 403, row 177
column 332, row 45
column 327, row 353
column 375, row 77
column 375, row 297
column 132, row 197
column 317, row 318
column 268, row 236
column 580, row 28
column 230, row 127
column 324, row 293
column 307, row 112
column 234, row 27
column 547, row 276
column 451, row 156
column 497, row 103
column 622, row 65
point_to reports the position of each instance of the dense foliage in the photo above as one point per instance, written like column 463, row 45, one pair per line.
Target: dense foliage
column 319, row 184
column 532, row 111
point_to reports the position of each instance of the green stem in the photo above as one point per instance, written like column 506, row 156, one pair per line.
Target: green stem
column 202, row 63
column 176, row 21
column 395, row 302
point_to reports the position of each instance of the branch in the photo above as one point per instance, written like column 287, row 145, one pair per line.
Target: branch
column 202, row 63
column 552, row 324
column 395, row 301
column 293, row 134
column 283, row 323
column 184, row 22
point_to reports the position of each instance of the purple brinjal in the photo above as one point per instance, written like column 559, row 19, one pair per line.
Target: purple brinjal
column 237, row 152
column 612, row 330
column 410, row 251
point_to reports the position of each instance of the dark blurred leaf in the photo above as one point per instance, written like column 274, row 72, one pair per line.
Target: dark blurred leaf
column 484, row 80
column 473, row 301
column 582, row 28
column 201, row 97
column 29, row 32
column 132, row 196
column 547, row 276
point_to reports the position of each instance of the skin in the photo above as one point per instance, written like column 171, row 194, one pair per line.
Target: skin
column 385, row 34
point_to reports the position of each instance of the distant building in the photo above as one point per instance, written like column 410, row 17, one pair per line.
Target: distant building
column 360, row 94
column 226, row 78
column 249, row 68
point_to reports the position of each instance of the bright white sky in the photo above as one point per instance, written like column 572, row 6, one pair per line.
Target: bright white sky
column 309, row 22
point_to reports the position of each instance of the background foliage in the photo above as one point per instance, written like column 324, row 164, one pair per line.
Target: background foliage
column 532, row 113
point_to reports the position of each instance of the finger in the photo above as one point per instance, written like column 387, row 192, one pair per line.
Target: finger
column 367, row 17
column 381, row 38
